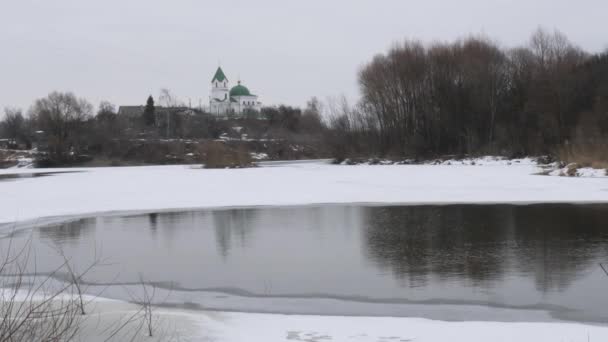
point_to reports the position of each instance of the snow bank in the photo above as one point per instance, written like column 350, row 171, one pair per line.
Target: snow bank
column 233, row 327
column 489, row 161
column 178, row 187
column 259, row 156
column 581, row 172
column 24, row 163
column 479, row 161
column 590, row 172
column 188, row 325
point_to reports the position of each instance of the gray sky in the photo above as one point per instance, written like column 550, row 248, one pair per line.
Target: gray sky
column 285, row 51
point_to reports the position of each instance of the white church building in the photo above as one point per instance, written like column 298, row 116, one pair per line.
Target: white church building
column 225, row 100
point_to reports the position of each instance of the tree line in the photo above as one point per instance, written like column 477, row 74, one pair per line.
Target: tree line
column 65, row 129
column 474, row 97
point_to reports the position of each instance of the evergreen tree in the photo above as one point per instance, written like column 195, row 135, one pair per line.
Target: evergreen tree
column 149, row 115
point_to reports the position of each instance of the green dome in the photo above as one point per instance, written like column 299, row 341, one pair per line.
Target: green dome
column 239, row 90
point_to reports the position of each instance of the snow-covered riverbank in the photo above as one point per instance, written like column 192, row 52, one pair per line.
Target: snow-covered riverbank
column 105, row 317
column 245, row 327
column 175, row 187
column 95, row 190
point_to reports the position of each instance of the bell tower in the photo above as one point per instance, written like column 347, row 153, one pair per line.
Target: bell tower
column 220, row 86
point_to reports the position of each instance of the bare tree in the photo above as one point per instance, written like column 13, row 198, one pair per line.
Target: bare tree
column 540, row 44
column 143, row 319
column 75, row 278
column 146, row 303
column 470, row 96
column 13, row 125
column 34, row 307
column 166, row 98
column 106, row 111
column 62, row 116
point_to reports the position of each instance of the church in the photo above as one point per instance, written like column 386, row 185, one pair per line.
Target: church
column 225, row 100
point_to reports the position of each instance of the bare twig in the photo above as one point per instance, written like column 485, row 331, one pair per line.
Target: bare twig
column 32, row 307
column 147, row 300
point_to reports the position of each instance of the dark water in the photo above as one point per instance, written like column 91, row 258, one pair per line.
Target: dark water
column 18, row 176
column 537, row 256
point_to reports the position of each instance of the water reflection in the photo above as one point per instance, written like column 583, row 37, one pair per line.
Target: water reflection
column 22, row 176
column 555, row 244
column 68, row 232
column 495, row 254
column 233, row 223
column 153, row 219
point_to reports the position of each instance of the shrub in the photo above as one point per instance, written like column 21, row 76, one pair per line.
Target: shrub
column 217, row 155
column 593, row 155
column 572, row 169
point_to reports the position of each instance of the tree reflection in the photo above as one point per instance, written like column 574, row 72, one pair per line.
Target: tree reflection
column 69, row 232
column 558, row 243
column 229, row 223
column 153, row 222
column 478, row 244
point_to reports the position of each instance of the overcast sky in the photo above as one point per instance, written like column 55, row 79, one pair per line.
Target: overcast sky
column 285, row 51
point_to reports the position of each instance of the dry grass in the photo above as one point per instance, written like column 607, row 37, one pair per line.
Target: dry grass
column 587, row 155
column 217, row 155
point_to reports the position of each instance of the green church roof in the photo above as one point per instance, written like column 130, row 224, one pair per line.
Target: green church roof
column 219, row 75
column 239, row 90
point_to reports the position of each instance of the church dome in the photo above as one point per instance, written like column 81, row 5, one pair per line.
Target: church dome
column 239, row 90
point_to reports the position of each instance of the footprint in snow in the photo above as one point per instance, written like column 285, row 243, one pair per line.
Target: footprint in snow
column 307, row 337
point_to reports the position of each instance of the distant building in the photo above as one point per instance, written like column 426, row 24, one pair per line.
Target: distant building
column 131, row 112
column 225, row 100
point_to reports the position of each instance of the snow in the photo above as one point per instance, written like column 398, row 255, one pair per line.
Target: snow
column 189, row 325
column 259, row 156
column 95, row 190
column 490, row 161
column 24, row 295
column 587, row 172
column 479, row 161
column 24, row 163
column 260, row 327
column 590, row 172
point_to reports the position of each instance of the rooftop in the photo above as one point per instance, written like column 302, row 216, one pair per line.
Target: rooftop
column 219, row 76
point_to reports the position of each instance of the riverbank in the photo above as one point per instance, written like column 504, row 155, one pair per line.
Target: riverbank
column 105, row 317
